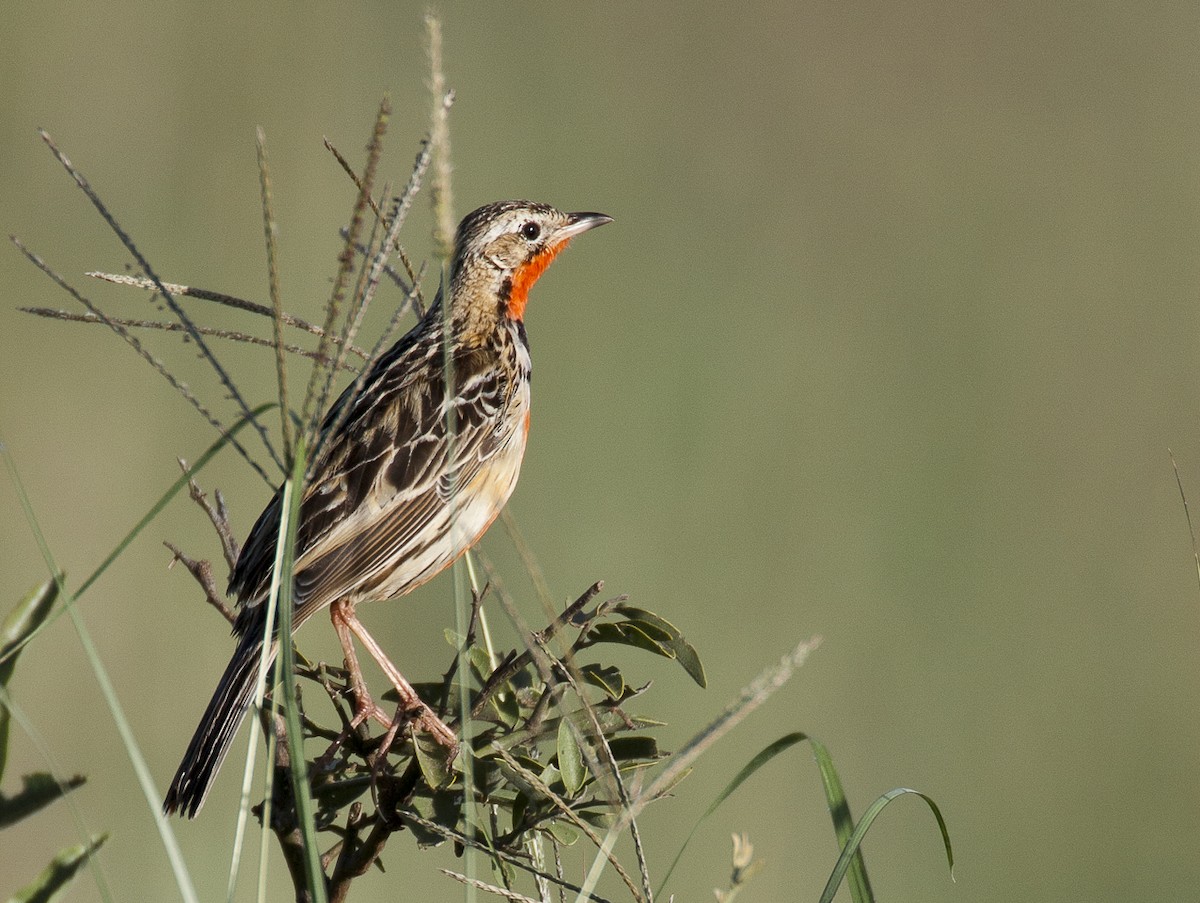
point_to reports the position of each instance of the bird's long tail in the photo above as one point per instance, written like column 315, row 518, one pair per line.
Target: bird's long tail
column 217, row 728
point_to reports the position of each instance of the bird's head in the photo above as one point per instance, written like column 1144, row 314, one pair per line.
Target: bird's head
column 501, row 250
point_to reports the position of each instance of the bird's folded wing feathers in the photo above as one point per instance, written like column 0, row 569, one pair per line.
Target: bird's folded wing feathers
column 383, row 481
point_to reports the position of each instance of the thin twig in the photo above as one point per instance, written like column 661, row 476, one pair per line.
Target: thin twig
column 134, row 343
column 179, row 312
column 202, row 571
column 613, row 770
column 218, row 516
column 412, row 290
column 377, row 261
column 417, row 300
column 558, row 869
column 506, row 670
column 167, row 326
column 358, row 183
column 459, row 654
column 388, row 270
column 203, row 294
column 357, row 857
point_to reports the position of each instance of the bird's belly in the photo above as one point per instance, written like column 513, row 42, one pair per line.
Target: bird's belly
column 471, row 510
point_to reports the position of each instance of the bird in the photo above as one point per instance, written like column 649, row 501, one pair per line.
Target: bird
column 410, row 471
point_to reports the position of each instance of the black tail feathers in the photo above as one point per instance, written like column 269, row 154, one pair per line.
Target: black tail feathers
column 217, row 728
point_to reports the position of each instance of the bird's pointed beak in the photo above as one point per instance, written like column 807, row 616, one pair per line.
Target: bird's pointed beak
column 578, row 223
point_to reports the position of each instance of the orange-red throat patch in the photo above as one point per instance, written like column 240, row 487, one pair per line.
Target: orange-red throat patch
column 526, row 275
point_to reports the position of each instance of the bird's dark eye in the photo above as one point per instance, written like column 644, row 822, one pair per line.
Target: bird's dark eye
column 531, row 230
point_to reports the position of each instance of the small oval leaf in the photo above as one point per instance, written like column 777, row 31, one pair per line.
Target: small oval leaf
column 570, row 759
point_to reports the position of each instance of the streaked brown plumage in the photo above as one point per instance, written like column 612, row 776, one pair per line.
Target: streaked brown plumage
column 391, row 501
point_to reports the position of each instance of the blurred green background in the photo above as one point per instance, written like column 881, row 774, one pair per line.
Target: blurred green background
column 889, row 341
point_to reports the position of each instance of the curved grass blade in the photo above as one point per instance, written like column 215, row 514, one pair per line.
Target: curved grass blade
column 851, row 850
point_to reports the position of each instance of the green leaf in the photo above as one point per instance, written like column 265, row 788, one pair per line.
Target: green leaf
column 58, row 874
column 39, row 791
column 550, row 776
column 570, row 760
column 333, row 796
column 422, row 835
column 638, row 634
column 607, row 678
column 563, row 832
column 434, row 761
column 480, row 662
column 21, row 622
column 507, row 708
column 669, row 787
column 626, row 748
column 685, row 652
column 519, row 807
column 603, row 818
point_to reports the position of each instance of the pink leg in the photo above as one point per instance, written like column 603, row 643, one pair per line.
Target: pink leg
column 341, row 612
column 410, row 701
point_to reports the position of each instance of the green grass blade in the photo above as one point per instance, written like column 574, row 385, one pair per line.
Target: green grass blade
column 843, row 821
column 860, row 831
column 293, row 496
column 764, row 756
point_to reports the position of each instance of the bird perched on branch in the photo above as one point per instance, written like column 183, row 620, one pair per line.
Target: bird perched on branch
column 408, row 475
